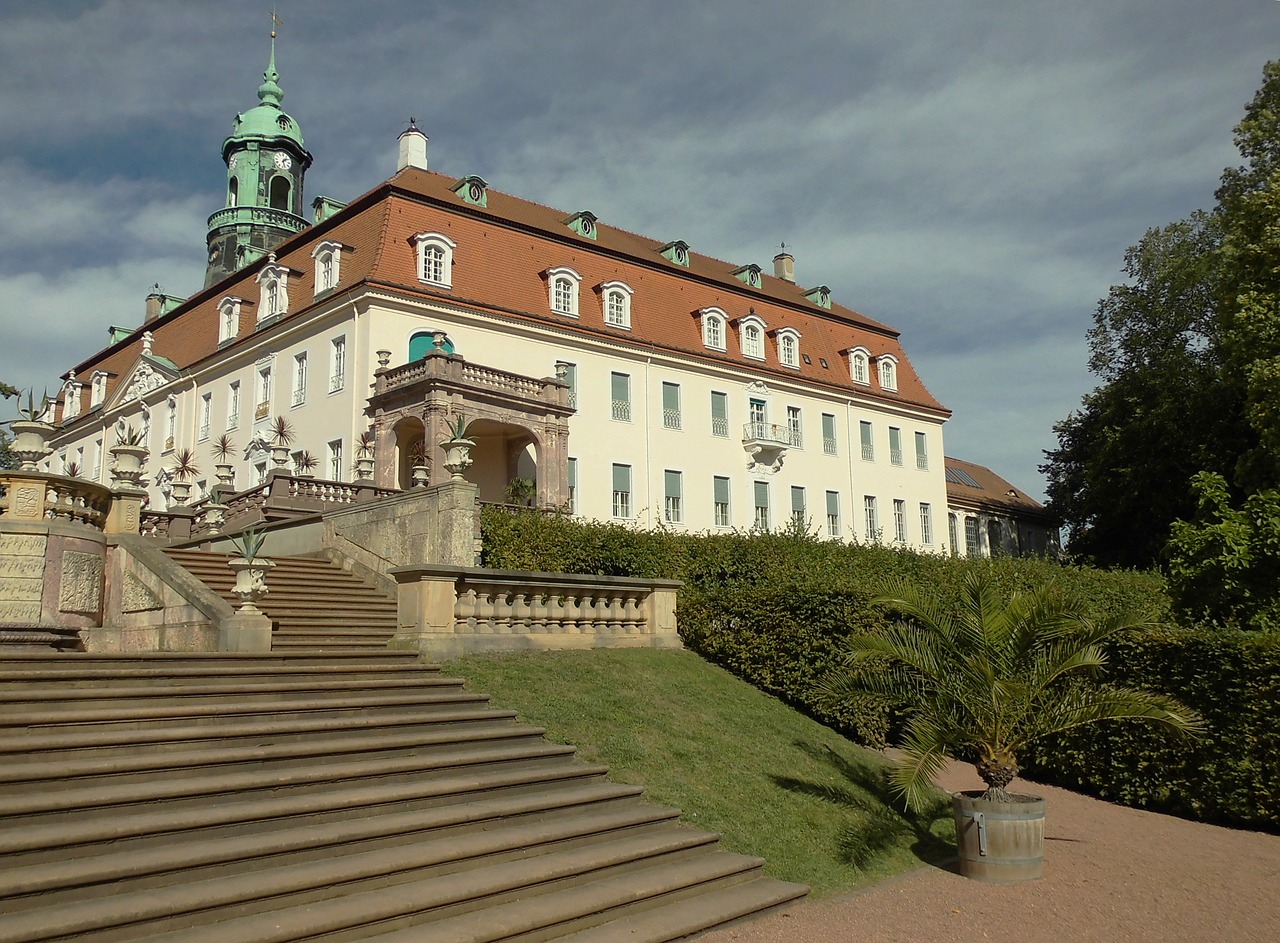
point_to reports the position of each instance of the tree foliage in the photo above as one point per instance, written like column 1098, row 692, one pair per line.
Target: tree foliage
column 1188, row 352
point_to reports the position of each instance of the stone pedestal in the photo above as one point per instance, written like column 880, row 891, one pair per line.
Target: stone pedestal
column 246, row 631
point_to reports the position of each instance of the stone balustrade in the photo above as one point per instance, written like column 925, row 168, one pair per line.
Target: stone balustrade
column 452, row 370
column 450, row 611
column 37, row 496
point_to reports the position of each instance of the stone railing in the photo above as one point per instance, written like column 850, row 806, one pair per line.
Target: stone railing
column 36, row 496
column 446, row 611
column 261, row 215
column 452, row 369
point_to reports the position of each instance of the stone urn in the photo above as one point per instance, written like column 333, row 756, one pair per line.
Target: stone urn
column 126, row 465
column 421, row 473
column 457, row 456
column 215, row 515
column 364, row 468
column 30, row 442
column 280, row 455
column 180, row 491
column 225, row 473
column 251, row 580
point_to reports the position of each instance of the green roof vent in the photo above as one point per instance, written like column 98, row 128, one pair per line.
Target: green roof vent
column 677, row 252
column 473, row 190
column 584, row 224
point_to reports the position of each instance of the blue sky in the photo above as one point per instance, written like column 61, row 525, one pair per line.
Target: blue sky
column 970, row 173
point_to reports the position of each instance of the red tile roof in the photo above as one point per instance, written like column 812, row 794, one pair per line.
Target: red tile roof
column 991, row 490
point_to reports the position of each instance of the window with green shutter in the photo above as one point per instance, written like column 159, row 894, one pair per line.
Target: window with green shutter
column 720, row 499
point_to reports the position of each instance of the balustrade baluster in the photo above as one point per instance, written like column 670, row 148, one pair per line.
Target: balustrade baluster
column 633, row 615
column 485, row 610
column 464, row 609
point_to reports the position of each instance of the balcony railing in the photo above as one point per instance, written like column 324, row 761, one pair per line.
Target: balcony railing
column 767, row 433
column 829, row 444
column 868, row 453
column 922, row 462
column 895, row 456
column 720, row 426
column 257, row 215
column 622, row 410
column 671, row 419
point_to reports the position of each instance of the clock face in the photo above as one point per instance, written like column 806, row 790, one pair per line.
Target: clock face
column 283, row 161
column 231, row 161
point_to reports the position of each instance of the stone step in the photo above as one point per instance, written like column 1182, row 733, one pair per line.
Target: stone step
column 58, row 838
column 79, row 696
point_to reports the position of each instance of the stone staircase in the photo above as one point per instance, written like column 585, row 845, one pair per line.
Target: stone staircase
column 337, row 795
column 315, row 604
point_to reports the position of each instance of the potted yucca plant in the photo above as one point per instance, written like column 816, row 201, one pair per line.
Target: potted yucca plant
column 249, row 568
column 280, row 434
column 127, row 457
column 364, row 456
column 185, row 470
column 224, row 449
column 31, row 430
column 457, row 447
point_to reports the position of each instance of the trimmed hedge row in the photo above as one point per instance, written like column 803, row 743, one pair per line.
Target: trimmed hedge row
column 776, row 608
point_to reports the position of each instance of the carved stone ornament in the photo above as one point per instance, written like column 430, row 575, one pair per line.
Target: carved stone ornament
column 758, row 388
column 81, row 586
column 756, row 466
column 145, row 379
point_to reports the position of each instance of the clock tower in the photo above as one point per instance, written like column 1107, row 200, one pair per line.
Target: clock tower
column 266, row 163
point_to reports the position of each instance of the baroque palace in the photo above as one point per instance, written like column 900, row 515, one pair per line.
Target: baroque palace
column 620, row 377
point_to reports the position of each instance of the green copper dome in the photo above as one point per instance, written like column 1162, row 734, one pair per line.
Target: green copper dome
column 266, row 122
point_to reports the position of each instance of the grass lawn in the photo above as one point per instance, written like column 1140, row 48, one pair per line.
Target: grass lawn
column 773, row 782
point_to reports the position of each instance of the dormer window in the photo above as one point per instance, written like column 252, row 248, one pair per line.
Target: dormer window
column 328, row 256
column 562, row 290
column 274, row 283
column 751, row 336
column 748, row 275
column 713, row 327
column 616, row 297
column 71, row 399
column 584, row 224
column 859, row 369
column 677, row 252
column 435, row 259
column 888, row 366
column 98, row 389
column 788, row 347
column 821, row 296
column 228, row 318
column 473, row 190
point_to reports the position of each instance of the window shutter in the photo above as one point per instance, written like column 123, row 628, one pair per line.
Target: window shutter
column 671, row 481
column 621, row 387
column 621, row 477
column 721, row 490
column 671, row 396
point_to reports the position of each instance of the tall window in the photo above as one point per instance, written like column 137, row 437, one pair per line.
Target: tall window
column 828, row 433
column 335, row 460
column 795, row 427
column 761, row 522
column 670, row 405
column 573, row 486
column 622, row 491
column 170, row 422
column 900, row 520
column 98, row 389
column 720, row 501
column 799, row 511
column 972, row 546
column 858, row 365
column 926, row 524
column 922, row 452
column 673, row 497
column 953, row 533
column 788, row 350
column 871, row 517
column 337, row 364
column 206, row 415
column 228, row 318
column 273, row 287
column 895, row 445
column 719, row 414
column 713, row 332
column 299, row 378
column 620, row 391
column 435, row 258
column 233, row 405
column 96, row 474
column 752, row 343
column 263, row 409
column 833, row 513
column 868, row 443
column 758, row 415
column 571, row 378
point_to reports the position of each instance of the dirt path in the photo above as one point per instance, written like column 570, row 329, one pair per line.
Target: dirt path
column 1111, row 874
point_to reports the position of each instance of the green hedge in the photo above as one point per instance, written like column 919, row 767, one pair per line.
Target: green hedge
column 1231, row 776
column 775, row 608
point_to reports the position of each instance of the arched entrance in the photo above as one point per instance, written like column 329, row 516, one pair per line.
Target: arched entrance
column 410, row 449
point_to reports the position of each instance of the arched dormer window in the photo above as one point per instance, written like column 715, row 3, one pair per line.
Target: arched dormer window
column 435, row 258
column 233, row 192
column 98, row 389
column 274, row 289
column 788, row 347
column 71, row 399
column 328, row 256
column 228, row 318
column 616, row 300
column 280, row 191
column 859, row 366
column 751, row 330
column 713, row 330
column 888, row 367
column 562, row 290
column 423, row 342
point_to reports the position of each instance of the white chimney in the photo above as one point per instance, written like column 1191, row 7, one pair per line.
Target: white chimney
column 784, row 266
column 413, row 148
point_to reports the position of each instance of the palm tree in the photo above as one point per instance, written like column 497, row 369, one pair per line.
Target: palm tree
column 990, row 677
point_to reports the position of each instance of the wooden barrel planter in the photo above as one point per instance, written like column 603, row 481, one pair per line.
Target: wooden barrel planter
column 999, row 842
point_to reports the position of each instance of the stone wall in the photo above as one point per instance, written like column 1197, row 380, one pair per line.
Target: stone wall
column 51, row 574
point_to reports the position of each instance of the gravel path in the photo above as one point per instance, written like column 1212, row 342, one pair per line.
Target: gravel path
column 1111, row 874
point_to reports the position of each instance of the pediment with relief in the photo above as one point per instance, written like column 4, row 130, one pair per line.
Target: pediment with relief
column 146, row 376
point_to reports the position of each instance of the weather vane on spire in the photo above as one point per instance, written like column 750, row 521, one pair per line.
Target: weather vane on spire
column 275, row 21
